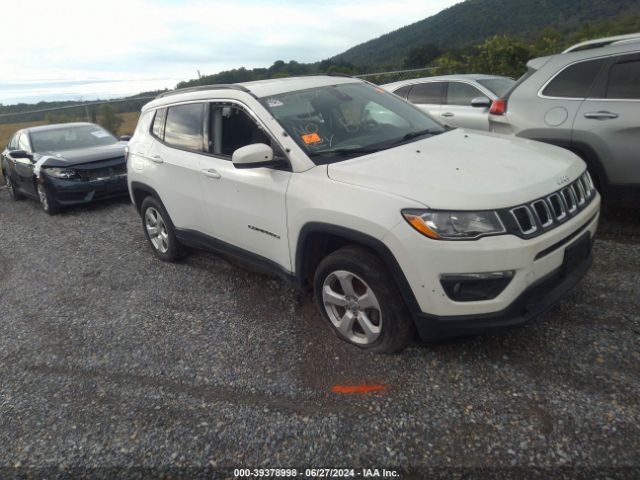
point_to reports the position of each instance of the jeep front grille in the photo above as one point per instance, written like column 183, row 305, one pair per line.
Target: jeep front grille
column 546, row 213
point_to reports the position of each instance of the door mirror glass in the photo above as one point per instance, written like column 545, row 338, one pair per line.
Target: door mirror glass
column 481, row 102
column 20, row 154
column 253, row 156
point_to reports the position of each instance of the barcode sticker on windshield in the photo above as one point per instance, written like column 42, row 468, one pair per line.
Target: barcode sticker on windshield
column 100, row 134
column 311, row 138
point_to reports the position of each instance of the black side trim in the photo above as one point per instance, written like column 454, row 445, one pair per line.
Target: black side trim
column 360, row 238
column 625, row 196
column 137, row 187
column 199, row 240
column 564, row 241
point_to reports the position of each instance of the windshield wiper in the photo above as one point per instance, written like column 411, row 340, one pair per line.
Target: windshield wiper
column 339, row 151
column 419, row 133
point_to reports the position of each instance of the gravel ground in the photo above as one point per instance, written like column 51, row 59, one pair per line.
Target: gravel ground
column 110, row 358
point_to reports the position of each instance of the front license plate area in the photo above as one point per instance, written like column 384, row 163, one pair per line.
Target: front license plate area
column 575, row 253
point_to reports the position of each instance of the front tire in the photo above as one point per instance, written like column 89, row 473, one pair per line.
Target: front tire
column 159, row 231
column 360, row 301
column 11, row 188
column 46, row 200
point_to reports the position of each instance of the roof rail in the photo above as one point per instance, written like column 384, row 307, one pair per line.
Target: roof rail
column 220, row 86
column 602, row 42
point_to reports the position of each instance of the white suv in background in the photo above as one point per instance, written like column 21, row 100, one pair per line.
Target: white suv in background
column 348, row 190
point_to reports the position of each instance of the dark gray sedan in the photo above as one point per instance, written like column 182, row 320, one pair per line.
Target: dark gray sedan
column 65, row 164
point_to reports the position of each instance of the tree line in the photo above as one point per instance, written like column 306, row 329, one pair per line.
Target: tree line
column 499, row 55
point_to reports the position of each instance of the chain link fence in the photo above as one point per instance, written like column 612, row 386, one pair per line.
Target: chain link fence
column 15, row 117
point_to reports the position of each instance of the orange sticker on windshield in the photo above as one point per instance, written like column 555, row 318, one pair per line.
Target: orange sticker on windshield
column 311, row 138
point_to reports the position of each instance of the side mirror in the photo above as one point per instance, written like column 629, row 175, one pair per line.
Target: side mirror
column 253, row 156
column 481, row 102
column 124, row 138
column 21, row 154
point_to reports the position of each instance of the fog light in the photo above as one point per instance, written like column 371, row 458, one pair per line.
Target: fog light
column 469, row 287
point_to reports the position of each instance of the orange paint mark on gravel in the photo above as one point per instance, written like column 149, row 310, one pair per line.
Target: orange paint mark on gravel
column 358, row 388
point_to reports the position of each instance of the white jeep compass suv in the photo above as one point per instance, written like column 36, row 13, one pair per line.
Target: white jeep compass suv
column 341, row 187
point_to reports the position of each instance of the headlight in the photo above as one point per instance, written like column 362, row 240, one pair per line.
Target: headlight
column 61, row 172
column 441, row 225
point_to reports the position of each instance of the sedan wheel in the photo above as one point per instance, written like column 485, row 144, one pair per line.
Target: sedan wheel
column 13, row 193
column 157, row 230
column 45, row 200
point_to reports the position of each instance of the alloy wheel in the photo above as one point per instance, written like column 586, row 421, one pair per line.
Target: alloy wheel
column 9, row 185
column 352, row 307
column 157, row 230
column 42, row 195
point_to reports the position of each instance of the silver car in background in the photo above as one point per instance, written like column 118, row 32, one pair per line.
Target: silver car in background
column 587, row 100
column 454, row 100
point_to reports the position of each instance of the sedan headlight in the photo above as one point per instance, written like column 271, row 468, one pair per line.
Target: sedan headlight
column 61, row 172
column 443, row 225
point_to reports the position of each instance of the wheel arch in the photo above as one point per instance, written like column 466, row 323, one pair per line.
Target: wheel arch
column 140, row 191
column 317, row 240
column 586, row 153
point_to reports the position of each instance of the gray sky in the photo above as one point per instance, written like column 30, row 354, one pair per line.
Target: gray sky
column 72, row 50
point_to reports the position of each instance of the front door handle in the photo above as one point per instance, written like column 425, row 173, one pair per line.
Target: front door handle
column 157, row 159
column 211, row 173
column 600, row 115
column 447, row 114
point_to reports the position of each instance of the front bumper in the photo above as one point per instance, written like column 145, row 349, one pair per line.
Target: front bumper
column 534, row 262
column 75, row 192
column 533, row 302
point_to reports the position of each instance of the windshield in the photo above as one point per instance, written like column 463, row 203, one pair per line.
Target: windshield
column 499, row 86
column 71, row 138
column 337, row 122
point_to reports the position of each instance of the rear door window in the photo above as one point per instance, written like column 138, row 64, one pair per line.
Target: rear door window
column 184, row 126
column 624, row 80
column 574, row 81
column 459, row 93
column 427, row 93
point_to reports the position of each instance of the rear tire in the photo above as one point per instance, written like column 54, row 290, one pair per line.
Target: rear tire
column 11, row 188
column 360, row 301
column 160, row 231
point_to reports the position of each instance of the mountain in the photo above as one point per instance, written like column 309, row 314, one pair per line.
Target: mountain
column 474, row 20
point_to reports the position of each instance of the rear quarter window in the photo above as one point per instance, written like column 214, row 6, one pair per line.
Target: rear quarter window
column 184, row 126
column 403, row 91
column 157, row 128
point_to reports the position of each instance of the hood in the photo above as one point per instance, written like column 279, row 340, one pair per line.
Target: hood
column 68, row 158
column 464, row 170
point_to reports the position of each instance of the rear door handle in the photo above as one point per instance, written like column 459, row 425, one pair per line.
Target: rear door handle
column 447, row 114
column 157, row 159
column 211, row 173
column 600, row 115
